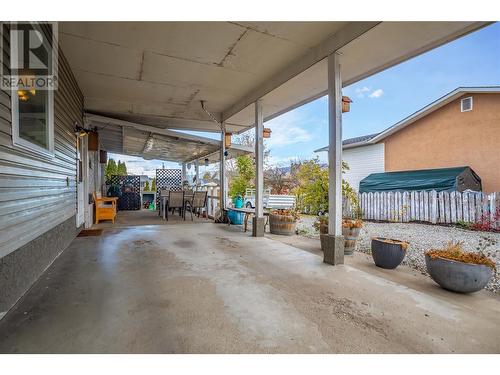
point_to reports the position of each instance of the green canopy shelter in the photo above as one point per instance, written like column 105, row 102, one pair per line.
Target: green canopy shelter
column 443, row 179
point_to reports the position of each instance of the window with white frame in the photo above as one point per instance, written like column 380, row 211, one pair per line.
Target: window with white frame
column 32, row 120
column 466, row 104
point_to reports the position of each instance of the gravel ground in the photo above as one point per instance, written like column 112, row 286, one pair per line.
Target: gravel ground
column 422, row 237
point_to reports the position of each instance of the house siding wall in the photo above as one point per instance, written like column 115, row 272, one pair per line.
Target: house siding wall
column 362, row 162
column 37, row 195
column 450, row 138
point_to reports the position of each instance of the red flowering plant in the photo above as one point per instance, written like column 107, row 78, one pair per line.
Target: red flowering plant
column 486, row 223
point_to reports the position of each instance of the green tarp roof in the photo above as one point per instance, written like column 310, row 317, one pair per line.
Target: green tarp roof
column 425, row 179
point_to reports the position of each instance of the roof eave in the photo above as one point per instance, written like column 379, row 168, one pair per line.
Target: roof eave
column 441, row 102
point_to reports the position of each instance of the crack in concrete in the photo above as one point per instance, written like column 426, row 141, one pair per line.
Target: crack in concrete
column 231, row 49
column 141, row 69
column 265, row 32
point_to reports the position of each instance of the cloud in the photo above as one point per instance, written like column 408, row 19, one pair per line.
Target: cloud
column 377, row 93
column 281, row 161
column 287, row 130
column 364, row 91
column 361, row 91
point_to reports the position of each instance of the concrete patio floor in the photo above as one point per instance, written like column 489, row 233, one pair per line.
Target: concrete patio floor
column 147, row 217
column 208, row 288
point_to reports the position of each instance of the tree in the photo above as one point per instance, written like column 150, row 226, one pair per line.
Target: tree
column 153, row 184
column 312, row 190
column 146, row 186
column 110, row 170
column 245, row 173
column 121, row 169
column 277, row 178
column 312, row 186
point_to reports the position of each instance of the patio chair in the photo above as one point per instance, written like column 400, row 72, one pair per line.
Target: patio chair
column 198, row 202
column 162, row 193
column 105, row 208
column 176, row 200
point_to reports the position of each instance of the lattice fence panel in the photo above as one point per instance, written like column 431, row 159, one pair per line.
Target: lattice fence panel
column 129, row 191
column 167, row 179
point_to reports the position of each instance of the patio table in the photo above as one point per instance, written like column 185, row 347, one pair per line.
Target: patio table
column 248, row 212
column 164, row 201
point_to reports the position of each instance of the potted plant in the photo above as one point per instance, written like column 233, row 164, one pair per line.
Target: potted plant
column 321, row 224
column 283, row 221
column 457, row 270
column 350, row 230
column 388, row 253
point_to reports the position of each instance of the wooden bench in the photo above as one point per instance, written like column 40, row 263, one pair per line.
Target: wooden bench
column 105, row 208
column 248, row 212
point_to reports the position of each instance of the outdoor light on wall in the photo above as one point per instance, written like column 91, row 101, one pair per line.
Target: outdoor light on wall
column 206, row 162
column 266, row 133
column 80, row 131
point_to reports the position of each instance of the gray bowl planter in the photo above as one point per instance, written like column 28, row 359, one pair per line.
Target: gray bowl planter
column 458, row 276
column 387, row 255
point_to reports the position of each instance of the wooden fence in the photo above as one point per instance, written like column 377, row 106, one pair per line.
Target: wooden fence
column 429, row 206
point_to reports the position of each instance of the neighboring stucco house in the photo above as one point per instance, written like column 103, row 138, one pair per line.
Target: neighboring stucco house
column 460, row 129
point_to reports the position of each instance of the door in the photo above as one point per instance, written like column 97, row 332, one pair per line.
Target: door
column 80, row 188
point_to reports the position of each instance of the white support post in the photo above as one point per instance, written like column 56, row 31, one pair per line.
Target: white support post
column 258, row 223
column 183, row 174
column 222, row 170
column 197, row 172
column 335, row 145
column 333, row 242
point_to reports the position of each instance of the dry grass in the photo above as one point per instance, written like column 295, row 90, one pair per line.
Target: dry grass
column 404, row 244
column 352, row 223
column 455, row 251
column 286, row 212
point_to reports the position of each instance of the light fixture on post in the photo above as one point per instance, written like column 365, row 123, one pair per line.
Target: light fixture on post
column 346, row 104
column 80, row 131
column 227, row 139
column 149, row 144
column 266, row 133
column 206, row 162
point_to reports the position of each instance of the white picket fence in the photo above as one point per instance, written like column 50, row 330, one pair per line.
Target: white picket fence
column 429, row 206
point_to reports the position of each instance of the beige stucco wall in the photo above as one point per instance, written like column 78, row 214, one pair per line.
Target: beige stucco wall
column 450, row 138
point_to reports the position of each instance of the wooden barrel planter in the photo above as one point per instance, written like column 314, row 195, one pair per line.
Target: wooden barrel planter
column 350, row 237
column 282, row 224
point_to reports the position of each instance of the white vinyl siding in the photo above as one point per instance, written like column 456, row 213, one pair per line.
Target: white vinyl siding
column 37, row 194
column 363, row 161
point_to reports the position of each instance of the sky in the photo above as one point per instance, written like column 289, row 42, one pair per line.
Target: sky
column 379, row 101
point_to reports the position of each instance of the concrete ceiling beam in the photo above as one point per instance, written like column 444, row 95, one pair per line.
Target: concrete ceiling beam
column 339, row 39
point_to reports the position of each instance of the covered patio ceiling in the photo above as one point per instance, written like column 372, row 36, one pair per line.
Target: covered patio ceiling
column 144, row 141
column 157, row 73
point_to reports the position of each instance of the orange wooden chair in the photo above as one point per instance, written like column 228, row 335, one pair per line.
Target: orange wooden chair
column 105, row 208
